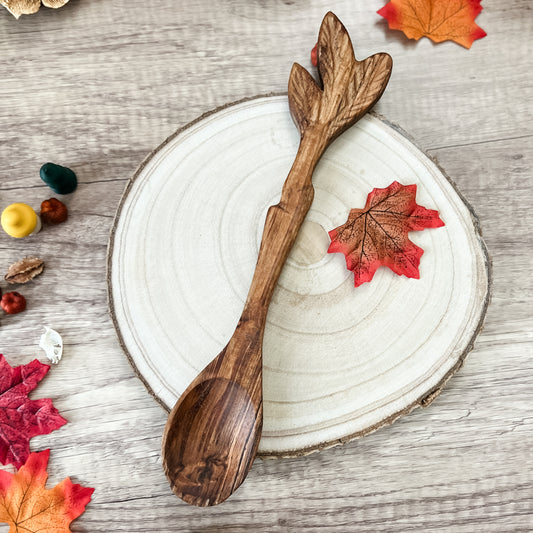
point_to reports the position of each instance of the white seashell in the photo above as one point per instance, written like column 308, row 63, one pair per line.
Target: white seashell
column 52, row 343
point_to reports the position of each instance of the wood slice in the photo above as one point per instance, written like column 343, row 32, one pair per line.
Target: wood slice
column 339, row 361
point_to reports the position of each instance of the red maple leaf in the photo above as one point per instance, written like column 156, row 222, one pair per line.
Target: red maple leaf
column 26, row 505
column 378, row 234
column 440, row 20
column 22, row 418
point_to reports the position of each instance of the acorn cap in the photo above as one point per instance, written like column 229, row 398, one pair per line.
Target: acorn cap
column 19, row 220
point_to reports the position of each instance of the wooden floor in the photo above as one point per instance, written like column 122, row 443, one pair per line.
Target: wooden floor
column 97, row 85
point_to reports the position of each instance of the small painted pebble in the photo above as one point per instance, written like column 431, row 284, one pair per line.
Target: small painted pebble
column 60, row 179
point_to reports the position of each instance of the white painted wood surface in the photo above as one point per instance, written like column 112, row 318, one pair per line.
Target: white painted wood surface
column 96, row 86
column 338, row 362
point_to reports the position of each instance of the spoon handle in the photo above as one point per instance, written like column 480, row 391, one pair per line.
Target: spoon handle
column 282, row 223
column 348, row 89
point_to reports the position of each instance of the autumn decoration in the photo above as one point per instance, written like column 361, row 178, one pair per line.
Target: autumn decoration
column 378, row 234
column 13, row 302
column 27, row 505
column 52, row 344
column 314, row 55
column 28, row 7
column 22, row 418
column 440, row 20
column 53, row 211
column 19, row 220
column 62, row 180
column 24, row 270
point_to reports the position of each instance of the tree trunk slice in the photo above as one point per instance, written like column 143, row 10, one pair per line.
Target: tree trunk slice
column 339, row 362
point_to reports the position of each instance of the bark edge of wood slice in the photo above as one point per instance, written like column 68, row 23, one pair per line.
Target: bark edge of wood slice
column 360, row 376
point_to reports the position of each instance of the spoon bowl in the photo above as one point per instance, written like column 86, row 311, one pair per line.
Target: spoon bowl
column 203, row 411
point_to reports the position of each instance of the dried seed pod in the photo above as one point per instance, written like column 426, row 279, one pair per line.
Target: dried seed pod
column 24, row 270
column 53, row 211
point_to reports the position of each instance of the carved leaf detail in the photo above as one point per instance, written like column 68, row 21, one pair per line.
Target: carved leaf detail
column 350, row 87
column 304, row 97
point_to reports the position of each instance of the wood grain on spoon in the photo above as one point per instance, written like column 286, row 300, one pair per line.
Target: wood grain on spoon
column 213, row 431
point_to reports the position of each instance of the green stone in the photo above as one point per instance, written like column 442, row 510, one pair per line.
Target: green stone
column 60, row 179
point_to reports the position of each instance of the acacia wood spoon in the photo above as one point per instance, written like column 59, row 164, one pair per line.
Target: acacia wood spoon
column 212, row 433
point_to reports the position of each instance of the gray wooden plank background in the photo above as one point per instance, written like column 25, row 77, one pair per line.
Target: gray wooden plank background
column 98, row 84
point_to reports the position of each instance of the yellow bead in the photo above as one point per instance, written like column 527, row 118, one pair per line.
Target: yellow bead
column 19, row 220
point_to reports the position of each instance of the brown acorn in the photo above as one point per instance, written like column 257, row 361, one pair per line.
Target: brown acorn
column 53, row 211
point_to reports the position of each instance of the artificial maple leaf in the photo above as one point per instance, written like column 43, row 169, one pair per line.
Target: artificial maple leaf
column 378, row 234
column 440, row 20
column 22, row 418
column 27, row 506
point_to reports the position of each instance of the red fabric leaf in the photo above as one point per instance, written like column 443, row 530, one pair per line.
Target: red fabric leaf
column 22, row 418
column 314, row 55
column 378, row 234
column 26, row 505
column 440, row 20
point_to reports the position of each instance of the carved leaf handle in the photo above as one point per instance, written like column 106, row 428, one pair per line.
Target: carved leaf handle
column 349, row 87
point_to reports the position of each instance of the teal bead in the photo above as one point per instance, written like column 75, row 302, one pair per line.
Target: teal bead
column 60, row 179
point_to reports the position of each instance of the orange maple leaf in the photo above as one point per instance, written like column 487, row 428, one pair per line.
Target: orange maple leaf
column 26, row 505
column 440, row 20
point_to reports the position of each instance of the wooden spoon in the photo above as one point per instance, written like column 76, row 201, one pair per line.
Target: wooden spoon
column 213, row 431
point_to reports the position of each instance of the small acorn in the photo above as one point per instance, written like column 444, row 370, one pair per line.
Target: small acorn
column 60, row 179
column 20, row 220
column 53, row 211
